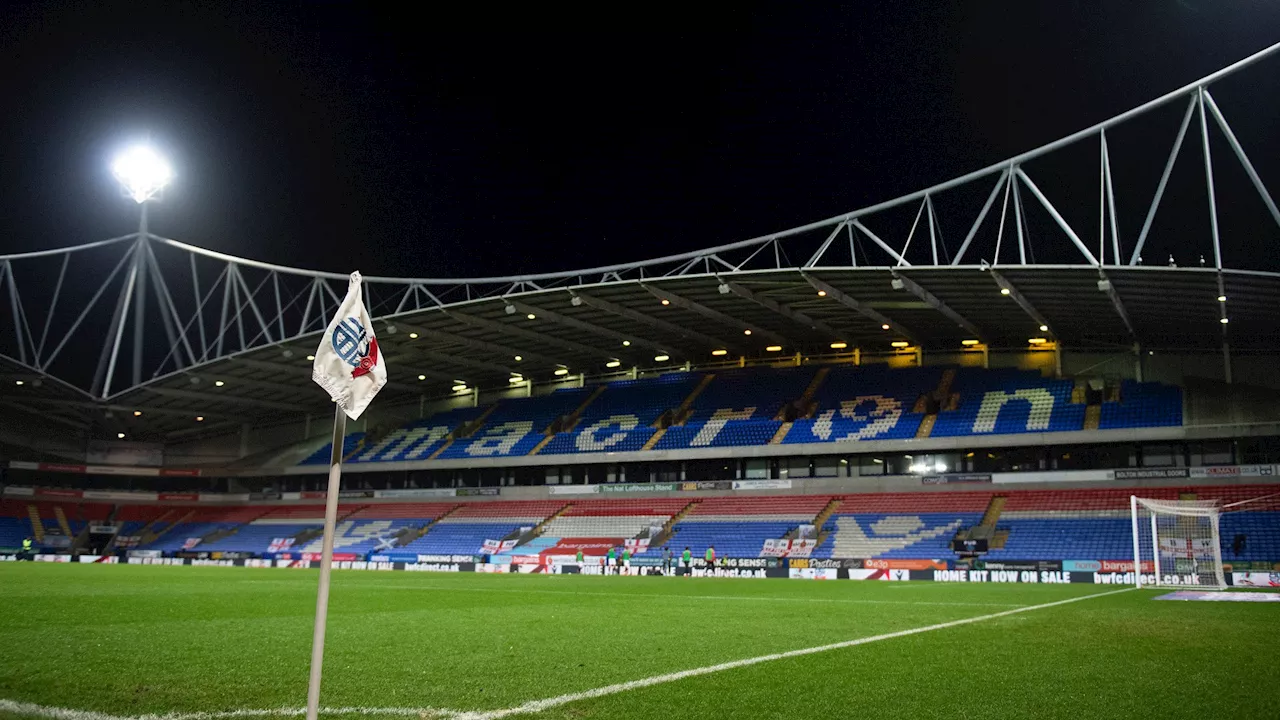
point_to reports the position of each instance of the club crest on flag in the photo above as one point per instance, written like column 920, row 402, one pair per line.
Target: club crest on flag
column 347, row 362
column 352, row 343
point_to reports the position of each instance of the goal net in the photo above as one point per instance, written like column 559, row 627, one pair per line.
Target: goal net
column 1176, row 542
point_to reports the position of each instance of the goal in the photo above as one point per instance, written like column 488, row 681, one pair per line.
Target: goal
column 1176, row 543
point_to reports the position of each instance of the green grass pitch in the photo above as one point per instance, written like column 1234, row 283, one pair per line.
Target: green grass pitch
column 131, row 640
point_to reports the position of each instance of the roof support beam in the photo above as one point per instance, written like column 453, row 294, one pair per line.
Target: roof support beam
column 932, row 300
column 839, row 296
column 1018, row 297
column 782, row 309
column 616, row 337
column 220, row 397
column 1104, row 284
column 716, row 315
column 639, row 317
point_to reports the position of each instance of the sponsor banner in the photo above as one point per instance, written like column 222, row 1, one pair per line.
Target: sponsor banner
column 19, row 491
column 1090, row 566
column 62, row 467
column 145, row 554
column 1255, row 579
column 253, row 496
column 802, row 547
column 116, row 495
column 310, row 557
column 775, row 547
column 323, row 495
column 869, row 574
column 1233, row 471
column 573, row 489
column 638, row 488
column 747, row 562
column 812, row 573
column 1002, row 576
column 193, row 497
column 490, row 546
column 761, row 484
column 1150, row 473
column 477, row 492
column 1127, row 578
column 906, row 564
column 1221, row 596
column 179, row 472
column 845, row 563
column 52, row 558
column 59, row 493
column 1123, row 566
column 1019, row 565
column 707, row 485
column 105, row 559
column 415, row 493
column 124, row 453
column 104, row 529
column 120, row 470
column 950, row 478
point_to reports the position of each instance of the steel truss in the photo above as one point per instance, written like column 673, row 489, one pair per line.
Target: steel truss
column 148, row 307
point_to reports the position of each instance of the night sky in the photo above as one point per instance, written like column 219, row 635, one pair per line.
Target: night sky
column 338, row 135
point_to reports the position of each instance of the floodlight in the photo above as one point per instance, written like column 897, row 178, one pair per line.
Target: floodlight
column 142, row 172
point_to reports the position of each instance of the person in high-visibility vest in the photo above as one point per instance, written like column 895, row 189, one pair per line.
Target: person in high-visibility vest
column 612, row 559
column 578, row 559
column 27, row 548
column 686, row 559
column 711, row 559
column 626, row 561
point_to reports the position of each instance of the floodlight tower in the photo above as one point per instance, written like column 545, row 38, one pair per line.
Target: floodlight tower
column 142, row 173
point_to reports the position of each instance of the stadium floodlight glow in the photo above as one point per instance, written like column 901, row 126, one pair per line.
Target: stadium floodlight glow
column 310, row 358
column 1004, row 291
column 719, row 353
column 519, row 358
column 562, row 371
column 18, row 382
column 514, row 379
column 773, row 348
column 459, row 388
column 421, row 378
column 919, row 468
column 940, row 467
column 626, row 343
column 531, row 316
column 747, row 331
column 1222, row 298
column 199, row 418
column 884, row 326
column 137, row 413
column 666, row 301
column 120, row 436
column 1036, row 341
column 661, row 358
column 142, row 172
column 218, row 383
column 413, row 336
column 1044, row 328
column 839, row 345
column 822, row 293
column 1224, row 321
column 613, row 364
column 899, row 343
column 969, row 343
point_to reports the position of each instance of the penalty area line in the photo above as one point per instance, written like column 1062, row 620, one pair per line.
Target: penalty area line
column 540, row 705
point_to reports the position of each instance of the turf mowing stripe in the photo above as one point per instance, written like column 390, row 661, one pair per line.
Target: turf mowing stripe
column 57, row 713
column 767, row 598
column 540, row 705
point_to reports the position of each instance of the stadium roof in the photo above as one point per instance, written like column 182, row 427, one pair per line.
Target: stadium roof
column 181, row 332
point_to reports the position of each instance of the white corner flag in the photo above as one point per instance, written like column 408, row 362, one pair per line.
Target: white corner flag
column 351, row 369
column 348, row 365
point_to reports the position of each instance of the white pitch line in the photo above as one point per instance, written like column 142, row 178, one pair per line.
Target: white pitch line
column 534, row 706
column 540, row 705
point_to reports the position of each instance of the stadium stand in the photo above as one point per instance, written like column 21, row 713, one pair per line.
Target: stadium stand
column 759, row 406
column 900, row 525
column 463, row 531
column 738, row 526
column 622, row 418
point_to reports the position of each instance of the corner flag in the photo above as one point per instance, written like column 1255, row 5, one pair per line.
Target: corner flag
column 348, row 365
column 350, row 368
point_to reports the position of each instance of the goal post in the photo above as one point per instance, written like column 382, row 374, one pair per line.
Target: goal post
column 1176, row 542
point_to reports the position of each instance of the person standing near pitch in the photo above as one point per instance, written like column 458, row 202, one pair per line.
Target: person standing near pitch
column 711, row 560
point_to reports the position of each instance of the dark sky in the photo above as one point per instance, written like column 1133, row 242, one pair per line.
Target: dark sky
column 337, row 135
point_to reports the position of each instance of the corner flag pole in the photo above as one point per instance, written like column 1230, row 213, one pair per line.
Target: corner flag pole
column 326, row 561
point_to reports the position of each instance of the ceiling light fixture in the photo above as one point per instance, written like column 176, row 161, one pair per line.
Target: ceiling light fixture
column 773, row 348
column 839, row 345
column 899, row 343
column 719, row 353
column 218, row 383
column 661, row 358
